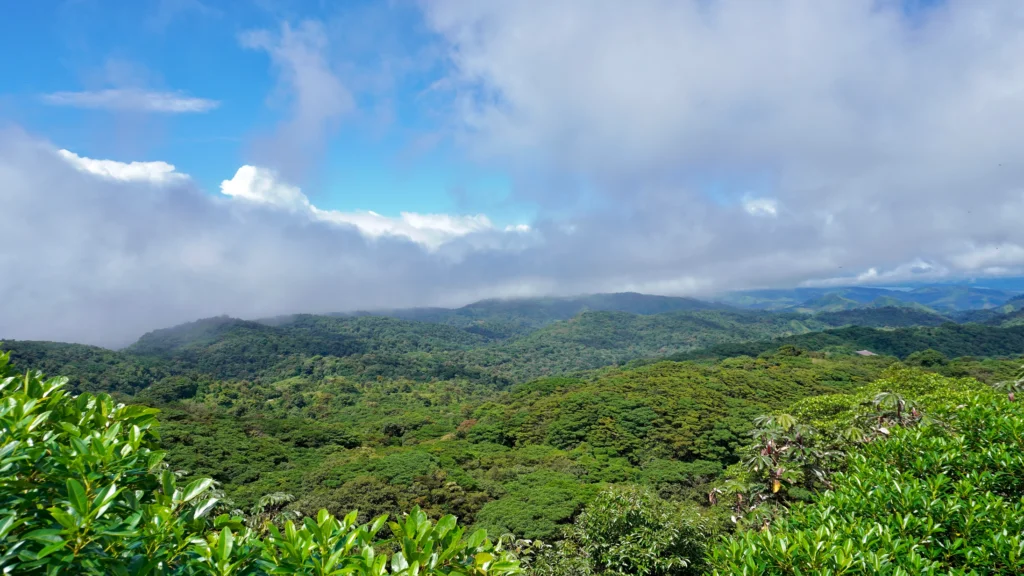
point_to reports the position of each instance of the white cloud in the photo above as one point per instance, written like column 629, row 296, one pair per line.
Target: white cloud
column 887, row 133
column 990, row 255
column 102, row 260
column 315, row 95
column 133, row 99
column 264, row 186
column 154, row 172
column 917, row 270
column 761, row 207
column 430, row 230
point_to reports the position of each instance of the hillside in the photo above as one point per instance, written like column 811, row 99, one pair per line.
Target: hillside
column 368, row 348
column 384, row 415
column 90, row 368
column 952, row 340
column 511, row 455
column 883, row 317
column 502, row 318
column 942, row 298
column 540, row 460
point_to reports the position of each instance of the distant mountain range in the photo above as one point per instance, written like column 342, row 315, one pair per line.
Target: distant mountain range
column 938, row 298
column 931, row 305
column 502, row 318
column 630, row 324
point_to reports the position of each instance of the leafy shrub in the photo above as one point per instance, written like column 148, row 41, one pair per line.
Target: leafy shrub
column 945, row 498
column 630, row 530
column 82, row 492
column 537, row 505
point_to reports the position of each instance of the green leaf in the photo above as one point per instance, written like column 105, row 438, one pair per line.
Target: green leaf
column 196, row 488
column 204, row 508
column 68, row 521
column 45, row 535
column 398, row 562
column 10, row 523
column 104, row 498
column 50, row 549
column 76, row 495
column 168, row 482
column 225, row 544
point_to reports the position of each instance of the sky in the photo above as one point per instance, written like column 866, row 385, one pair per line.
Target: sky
column 168, row 160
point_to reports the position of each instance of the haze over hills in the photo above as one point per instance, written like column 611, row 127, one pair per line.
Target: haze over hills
column 490, row 321
column 943, row 298
column 497, row 341
column 507, row 317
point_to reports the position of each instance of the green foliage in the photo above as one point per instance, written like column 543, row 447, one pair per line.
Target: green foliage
column 630, row 530
column 951, row 340
column 82, row 492
column 80, row 487
column 669, row 410
column 596, row 339
column 940, row 498
column 384, row 415
column 536, row 505
column 88, row 368
column 885, row 317
column 466, row 449
column 514, row 317
column 927, row 359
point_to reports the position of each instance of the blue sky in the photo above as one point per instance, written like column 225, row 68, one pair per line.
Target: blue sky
column 388, row 155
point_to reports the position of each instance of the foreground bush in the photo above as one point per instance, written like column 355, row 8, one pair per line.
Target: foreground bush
column 630, row 530
column 82, row 491
column 942, row 498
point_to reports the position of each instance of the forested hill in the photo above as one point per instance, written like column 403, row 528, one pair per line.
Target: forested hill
column 952, row 340
column 501, row 318
column 943, row 298
column 368, row 348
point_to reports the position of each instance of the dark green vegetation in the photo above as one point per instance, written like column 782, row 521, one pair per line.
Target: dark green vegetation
column 928, row 479
column 940, row 298
column 504, row 318
column 575, row 431
column 952, row 340
column 83, row 491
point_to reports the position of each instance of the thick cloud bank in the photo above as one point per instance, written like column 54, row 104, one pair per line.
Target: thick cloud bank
column 875, row 140
column 92, row 256
column 687, row 147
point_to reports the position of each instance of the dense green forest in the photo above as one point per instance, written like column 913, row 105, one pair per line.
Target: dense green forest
column 852, row 478
column 368, row 348
column 608, row 442
column 952, row 340
column 943, row 298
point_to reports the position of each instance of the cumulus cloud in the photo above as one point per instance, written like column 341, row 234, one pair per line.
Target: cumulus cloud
column 102, row 260
column 888, row 132
column 264, row 186
column 132, row 99
column 153, row 172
